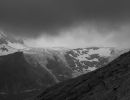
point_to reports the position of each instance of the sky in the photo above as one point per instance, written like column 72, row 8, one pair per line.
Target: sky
column 67, row 23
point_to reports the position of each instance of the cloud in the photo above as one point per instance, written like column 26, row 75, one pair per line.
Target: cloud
column 32, row 17
column 74, row 38
column 70, row 23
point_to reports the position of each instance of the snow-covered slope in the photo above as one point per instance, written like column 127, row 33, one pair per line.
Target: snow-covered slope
column 10, row 45
column 83, row 60
column 5, row 50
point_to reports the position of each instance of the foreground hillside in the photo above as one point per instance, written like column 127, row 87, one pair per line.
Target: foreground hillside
column 108, row 83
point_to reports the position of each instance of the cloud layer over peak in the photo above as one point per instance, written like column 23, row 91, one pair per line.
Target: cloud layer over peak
column 64, row 22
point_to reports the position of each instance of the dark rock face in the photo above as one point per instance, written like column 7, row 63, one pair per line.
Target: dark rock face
column 25, row 75
column 111, row 82
column 19, row 79
column 53, row 64
column 59, row 69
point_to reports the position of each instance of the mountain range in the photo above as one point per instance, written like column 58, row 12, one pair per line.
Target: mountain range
column 26, row 71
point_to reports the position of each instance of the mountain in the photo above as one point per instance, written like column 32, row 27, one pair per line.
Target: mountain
column 19, row 79
column 111, row 82
column 77, row 61
column 4, row 39
column 43, row 67
column 26, row 73
column 9, row 44
column 70, row 63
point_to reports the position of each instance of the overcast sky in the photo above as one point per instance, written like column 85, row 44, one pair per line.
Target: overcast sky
column 67, row 23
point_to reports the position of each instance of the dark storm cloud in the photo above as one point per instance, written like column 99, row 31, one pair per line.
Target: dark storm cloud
column 35, row 16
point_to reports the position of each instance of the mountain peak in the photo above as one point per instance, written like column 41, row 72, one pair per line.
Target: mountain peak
column 10, row 38
column 8, row 41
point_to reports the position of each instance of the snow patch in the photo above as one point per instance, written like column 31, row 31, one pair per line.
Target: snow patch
column 5, row 50
column 16, row 45
column 103, row 52
column 91, row 68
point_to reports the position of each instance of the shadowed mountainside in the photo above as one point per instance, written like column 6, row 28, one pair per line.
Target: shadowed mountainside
column 111, row 82
column 19, row 79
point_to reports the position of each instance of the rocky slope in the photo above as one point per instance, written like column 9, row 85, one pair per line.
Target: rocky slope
column 111, row 82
